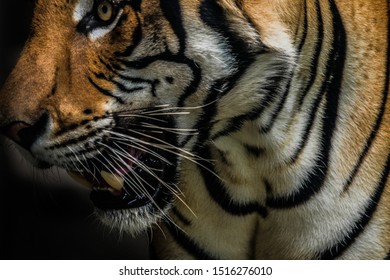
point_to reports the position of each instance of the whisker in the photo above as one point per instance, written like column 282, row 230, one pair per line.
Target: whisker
column 159, row 140
column 86, row 168
column 168, row 114
column 168, row 150
column 133, row 184
column 141, row 147
column 144, row 167
column 137, row 188
column 133, row 139
column 75, row 155
column 174, row 108
column 140, row 164
column 127, row 115
column 178, row 131
column 147, row 193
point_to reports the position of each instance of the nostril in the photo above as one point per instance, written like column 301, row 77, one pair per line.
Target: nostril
column 14, row 131
column 25, row 134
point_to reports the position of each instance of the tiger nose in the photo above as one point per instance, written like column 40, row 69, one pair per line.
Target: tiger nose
column 25, row 134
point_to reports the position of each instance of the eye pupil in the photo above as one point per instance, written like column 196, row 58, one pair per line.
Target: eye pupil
column 105, row 11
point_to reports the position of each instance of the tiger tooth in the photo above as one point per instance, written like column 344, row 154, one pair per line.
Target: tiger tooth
column 116, row 182
column 80, row 179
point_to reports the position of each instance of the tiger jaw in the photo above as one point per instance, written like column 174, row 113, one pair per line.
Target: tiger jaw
column 128, row 172
column 136, row 182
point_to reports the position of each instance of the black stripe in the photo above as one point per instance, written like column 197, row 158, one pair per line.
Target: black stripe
column 223, row 157
column 214, row 16
column 387, row 256
column 193, row 86
column 214, row 186
column 350, row 237
column 314, row 181
column 380, row 115
column 304, row 35
column 268, row 187
column 332, row 87
column 119, row 85
column 135, row 80
column 136, row 4
column 316, row 55
column 269, row 91
column 313, row 73
column 54, row 88
column 147, row 60
column 172, row 12
column 136, row 39
column 187, row 243
column 118, row 74
column 255, row 151
column 275, row 114
column 105, row 92
column 209, row 112
column 237, row 122
column 73, row 154
column 217, row 191
column 189, row 90
column 277, row 111
column 75, row 140
column 181, row 217
column 168, row 57
column 111, row 67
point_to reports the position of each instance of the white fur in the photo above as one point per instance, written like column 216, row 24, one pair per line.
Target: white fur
column 82, row 8
column 102, row 31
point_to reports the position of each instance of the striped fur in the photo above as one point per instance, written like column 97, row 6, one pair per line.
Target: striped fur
column 289, row 100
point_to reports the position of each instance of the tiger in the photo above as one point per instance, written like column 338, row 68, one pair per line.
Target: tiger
column 224, row 129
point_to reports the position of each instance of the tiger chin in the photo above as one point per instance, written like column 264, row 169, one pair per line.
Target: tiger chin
column 235, row 129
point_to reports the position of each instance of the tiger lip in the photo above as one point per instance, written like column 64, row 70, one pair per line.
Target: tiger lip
column 113, row 189
column 115, row 182
column 109, row 180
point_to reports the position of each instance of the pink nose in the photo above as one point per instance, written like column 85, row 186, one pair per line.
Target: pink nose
column 13, row 131
column 24, row 134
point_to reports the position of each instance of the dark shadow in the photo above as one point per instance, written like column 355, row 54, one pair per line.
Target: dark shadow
column 46, row 216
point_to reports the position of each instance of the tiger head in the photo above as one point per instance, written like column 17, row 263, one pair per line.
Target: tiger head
column 121, row 92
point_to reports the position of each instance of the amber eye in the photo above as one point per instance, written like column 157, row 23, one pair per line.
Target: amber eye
column 105, row 10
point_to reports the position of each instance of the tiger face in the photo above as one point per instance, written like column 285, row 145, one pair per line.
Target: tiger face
column 112, row 91
column 88, row 108
column 245, row 129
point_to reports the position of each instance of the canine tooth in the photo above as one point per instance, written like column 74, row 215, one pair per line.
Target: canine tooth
column 116, row 182
column 80, row 179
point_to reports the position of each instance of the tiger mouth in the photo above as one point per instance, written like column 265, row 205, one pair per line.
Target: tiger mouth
column 136, row 178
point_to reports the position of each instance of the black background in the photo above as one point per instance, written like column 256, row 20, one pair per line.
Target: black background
column 44, row 215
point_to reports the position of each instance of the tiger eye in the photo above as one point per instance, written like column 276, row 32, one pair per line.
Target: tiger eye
column 105, row 10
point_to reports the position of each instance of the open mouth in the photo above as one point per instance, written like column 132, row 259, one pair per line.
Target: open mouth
column 128, row 176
